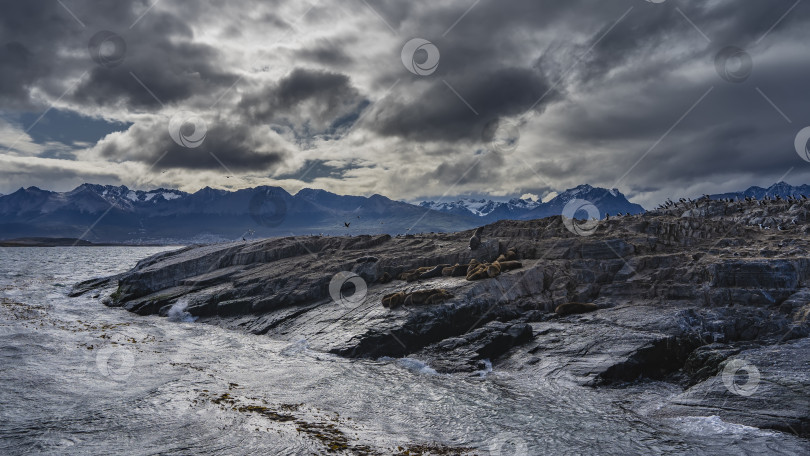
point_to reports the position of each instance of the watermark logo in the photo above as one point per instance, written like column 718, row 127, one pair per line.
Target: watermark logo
column 506, row 444
column 501, row 135
column 187, row 129
column 733, row 64
column 348, row 289
column 741, row 377
column 115, row 363
column 107, row 49
column 268, row 208
column 423, row 50
column 581, row 217
column 801, row 143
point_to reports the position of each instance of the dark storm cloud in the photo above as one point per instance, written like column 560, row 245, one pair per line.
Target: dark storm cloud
column 651, row 31
column 162, row 54
column 330, row 53
column 239, row 147
column 19, row 72
column 171, row 71
column 486, row 57
column 439, row 114
column 629, row 75
column 309, row 102
column 393, row 12
column 28, row 50
column 473, row 169
column 43, row 46
column 735, row 130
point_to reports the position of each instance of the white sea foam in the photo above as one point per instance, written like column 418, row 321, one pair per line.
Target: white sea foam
column 709, row 425
column 413, row 365
column 178, row 312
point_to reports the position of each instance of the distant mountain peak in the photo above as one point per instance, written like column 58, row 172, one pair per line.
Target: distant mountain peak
column 608, row 201
column 781, row 188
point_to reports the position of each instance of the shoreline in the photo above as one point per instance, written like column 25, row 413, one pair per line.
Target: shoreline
column 70, row 242
column 694, row 297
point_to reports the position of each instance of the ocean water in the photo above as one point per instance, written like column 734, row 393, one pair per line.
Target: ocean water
column 79, row 378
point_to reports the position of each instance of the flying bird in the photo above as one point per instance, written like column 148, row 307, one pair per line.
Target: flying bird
column 347, row 224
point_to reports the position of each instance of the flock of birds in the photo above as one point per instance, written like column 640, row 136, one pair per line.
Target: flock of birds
column 688, row 203
column 669, row 207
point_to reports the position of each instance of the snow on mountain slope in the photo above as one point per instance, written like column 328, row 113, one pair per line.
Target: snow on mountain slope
column 480, row 207
column 607, row 201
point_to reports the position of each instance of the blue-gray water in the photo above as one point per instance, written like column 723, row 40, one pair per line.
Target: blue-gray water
column 146, row 387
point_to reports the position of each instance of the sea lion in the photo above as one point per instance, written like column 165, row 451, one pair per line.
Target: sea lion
column 472, row 266
column 418, row 298
column 385, row 278
column 575, row 308
column 438, row 297
column 494, row 270
column 475, row 240
column 455, row 271
column 435, row 272
column 480, row 272
column 414, row 274
column 393, row 300
column 409, row 276
column 509, row 265
column 510, row 255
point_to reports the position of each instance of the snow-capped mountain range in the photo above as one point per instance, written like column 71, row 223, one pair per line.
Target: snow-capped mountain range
column 606, row 201
column 103, row 213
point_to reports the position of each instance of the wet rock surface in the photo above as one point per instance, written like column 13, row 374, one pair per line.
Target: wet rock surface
column 673, row 295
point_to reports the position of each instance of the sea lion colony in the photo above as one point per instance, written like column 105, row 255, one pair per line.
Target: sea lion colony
column 475, row 270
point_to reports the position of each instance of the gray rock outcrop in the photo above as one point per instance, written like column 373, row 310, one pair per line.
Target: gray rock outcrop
column 678, row 294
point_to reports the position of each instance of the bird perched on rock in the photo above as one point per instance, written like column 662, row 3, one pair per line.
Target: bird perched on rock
column 475, row 240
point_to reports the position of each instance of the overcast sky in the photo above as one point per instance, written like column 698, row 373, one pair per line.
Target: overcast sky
column 657, row 98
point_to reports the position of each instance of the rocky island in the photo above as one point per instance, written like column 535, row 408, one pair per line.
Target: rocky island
column 710, row 297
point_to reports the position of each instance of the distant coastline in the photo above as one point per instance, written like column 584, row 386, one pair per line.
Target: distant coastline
column 63, row 242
